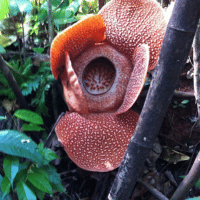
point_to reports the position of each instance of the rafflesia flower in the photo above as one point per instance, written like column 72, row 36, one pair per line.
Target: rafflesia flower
column 102, row 62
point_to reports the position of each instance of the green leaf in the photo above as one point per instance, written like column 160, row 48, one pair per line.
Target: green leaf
column 74, row 6
column 13, row 7
column 18, row 144
column 11, row 167
column 21, row 175
column 29, row 116
column 38, row 50
column 40, row 194
column 7, row 40
column 3, row 8
column 7, row 92
column 24, row 192
column 7, row 197
column 42, row 15
column 5, row 186
column 40, row 171
column 198, row 183
column 58, row 187
column 184, row 101
column 31, row 127
column 49, row 155
column 53, row 176
column 2, row 50
column 29, row 86
column 20, row 5
column 40, row 182
column 2, row 118
column 1, row 178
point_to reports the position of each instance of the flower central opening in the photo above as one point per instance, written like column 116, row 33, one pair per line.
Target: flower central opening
column 99, row 75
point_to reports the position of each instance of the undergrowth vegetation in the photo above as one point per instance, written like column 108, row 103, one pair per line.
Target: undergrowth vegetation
column 25, row 169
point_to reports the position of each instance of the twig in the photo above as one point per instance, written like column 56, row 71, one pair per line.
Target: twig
column 183, row 94
column 13, row 84
column 50, row 26
column 176, row 94
column 189, row 181
column 51, row 135
column 153, row 190
column 196, row 58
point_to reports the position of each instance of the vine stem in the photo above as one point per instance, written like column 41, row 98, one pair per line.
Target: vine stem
column 13, row 84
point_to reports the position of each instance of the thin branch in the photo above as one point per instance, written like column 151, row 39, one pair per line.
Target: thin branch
column 175, row 49
column 176, row 94
column 196, row 59
column 13, row 84
column 189, row 181
column 153, row 190
column 50, row 25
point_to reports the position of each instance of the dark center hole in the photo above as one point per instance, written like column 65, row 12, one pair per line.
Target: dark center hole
column 99, row 75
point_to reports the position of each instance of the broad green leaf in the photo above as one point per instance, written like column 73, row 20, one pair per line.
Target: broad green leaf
column 62, row 14
column 29, row 116
column 24, row 192
column 3, row 8
column 23, row 169
column 40, row 194
column 31, row 127
column 7, row 40
column 18, row 144
column 195, row 198
column 49, row 155
column 2, row 50
column 40, row 182
column 5, row 186
column 11, row 167
column 53, row 176
column 40, row 171
column 21, row 176
column 74, row 6
column 58, row 187
column 42, row 15
column 38, row 50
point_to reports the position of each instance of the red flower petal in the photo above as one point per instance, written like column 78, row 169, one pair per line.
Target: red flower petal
column 96, row 142
column 137, row 79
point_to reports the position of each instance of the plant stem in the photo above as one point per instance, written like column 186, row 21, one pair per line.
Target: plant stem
column 50, row 26
column 153, row 190
column 189, row 181
column 13, row 84
column 196, row 58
